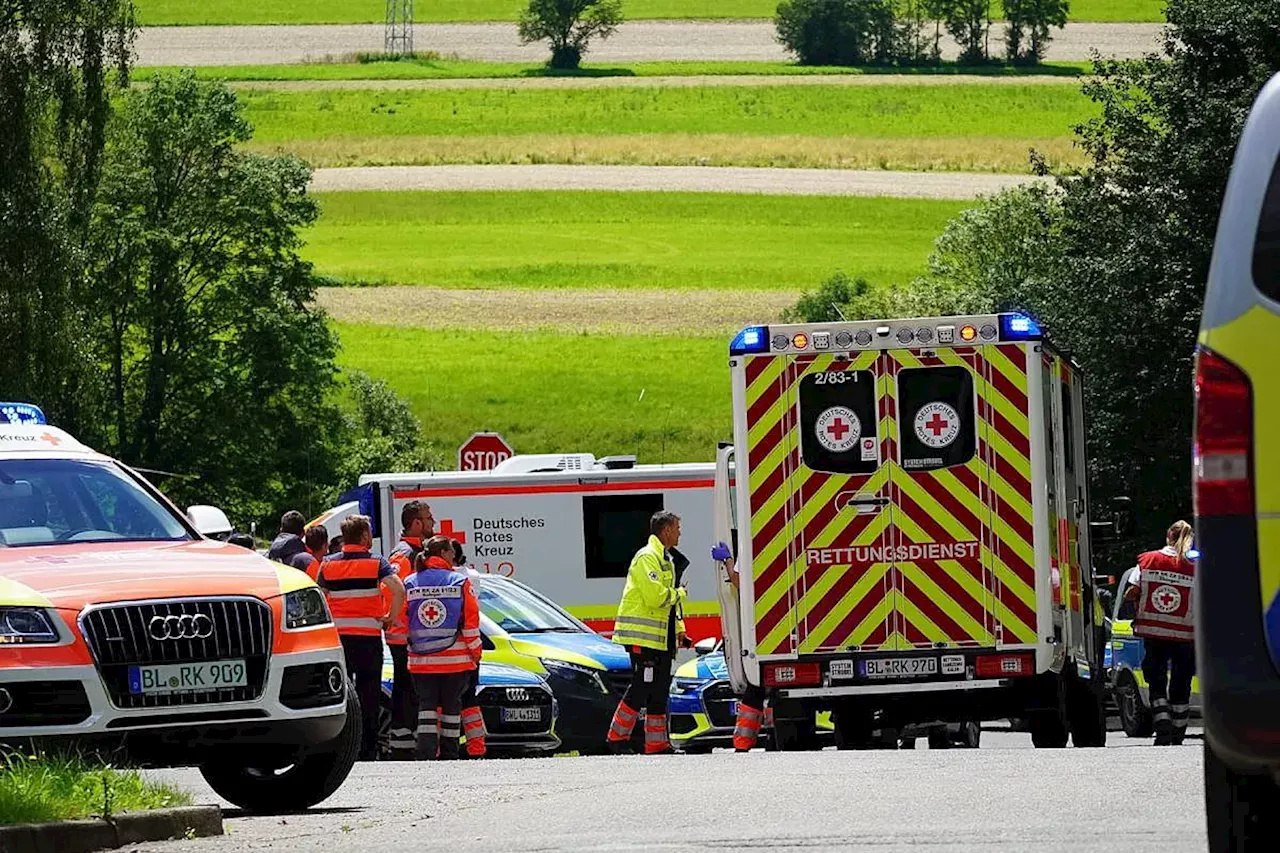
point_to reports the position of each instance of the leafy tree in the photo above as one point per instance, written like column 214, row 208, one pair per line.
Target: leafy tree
column 56, row 84
column 1027, row 34
column 969, row 22
column 838, row 32
column 217, row 363
column 382, row 433
column 569, row 25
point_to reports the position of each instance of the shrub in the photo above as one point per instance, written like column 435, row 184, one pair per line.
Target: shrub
column 838, row 32
column 1027, row 35
column 569, row 25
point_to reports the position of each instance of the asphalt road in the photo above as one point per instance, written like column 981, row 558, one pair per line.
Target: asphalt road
column 1003, row 798
column 718, row 179
column 636, row 41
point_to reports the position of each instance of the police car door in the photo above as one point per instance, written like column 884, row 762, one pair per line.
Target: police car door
column 943, row 588
column 842, row 531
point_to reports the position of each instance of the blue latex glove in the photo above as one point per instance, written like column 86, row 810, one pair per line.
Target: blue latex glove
column 721, row 552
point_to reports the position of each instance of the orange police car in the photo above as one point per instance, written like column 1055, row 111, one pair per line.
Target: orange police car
column 123, row 628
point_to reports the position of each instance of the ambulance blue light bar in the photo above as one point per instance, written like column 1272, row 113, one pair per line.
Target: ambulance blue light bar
column 1019, row 327
column 21, row 413
column 751, row 340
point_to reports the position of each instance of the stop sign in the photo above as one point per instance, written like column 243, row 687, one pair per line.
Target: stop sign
column 483, row 451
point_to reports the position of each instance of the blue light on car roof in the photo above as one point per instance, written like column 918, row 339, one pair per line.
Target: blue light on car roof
column 21, row 413
column 1019, row 327
column 752, row 339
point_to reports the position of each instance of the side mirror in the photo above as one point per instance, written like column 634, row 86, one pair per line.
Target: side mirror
column 1118, row 523
column 210, row 521
column 705, row 646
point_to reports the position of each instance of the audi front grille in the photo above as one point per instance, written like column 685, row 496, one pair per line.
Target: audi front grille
column 190, row 630
column 493, row 698
column 717, row 698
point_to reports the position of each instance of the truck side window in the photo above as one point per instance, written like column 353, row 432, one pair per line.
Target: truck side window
column 1266, row 247
column 838, row 418
column 1069, row 430
column 936, row 417
column 614, row 527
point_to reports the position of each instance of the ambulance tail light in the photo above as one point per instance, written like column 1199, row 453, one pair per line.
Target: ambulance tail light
column 1004, row 666
column 1223, row 470
column 792, row 675
column 752, row 339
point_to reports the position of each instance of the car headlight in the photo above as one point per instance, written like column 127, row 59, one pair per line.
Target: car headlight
column 580, row 675
column 685, row 686
column 305, row 608
column 26, row 626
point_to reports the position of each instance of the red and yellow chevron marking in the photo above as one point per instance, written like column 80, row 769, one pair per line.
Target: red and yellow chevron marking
column 985, row 600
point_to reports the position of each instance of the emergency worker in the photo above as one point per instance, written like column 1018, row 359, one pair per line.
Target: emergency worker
column 751, row 710
column 289, row 540
column 417, row 524
column 353, row 581
column 648, row 624
column 316, row 541
column 444, row 646
column 1165, row 621
column 472, row 719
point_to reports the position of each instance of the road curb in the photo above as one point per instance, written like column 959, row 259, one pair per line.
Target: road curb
column 85, row 836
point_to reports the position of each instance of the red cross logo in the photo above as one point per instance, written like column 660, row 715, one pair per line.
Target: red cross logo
column 430, row 613
column 838, row 428
column 51, row 438
column 937, row 424
column 1166, row 599
column 446, row 529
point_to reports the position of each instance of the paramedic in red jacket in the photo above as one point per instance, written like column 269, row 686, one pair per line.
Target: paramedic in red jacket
column 444, row 646
column 1165, row 621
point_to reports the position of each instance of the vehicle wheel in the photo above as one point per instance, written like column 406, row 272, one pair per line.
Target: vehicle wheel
column 1086, row 713
column 795, row 736
column 969, row 736
column 1135, row 717
column 1242, row 811
column 885, row 739
column 310, row 780
column 696, row 748
column 1049, row 726
column 384, row 725
column 853, row 730
column 907, row 743
column 939, row 738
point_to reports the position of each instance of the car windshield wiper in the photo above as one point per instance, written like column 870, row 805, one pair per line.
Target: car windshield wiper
column 559, row 629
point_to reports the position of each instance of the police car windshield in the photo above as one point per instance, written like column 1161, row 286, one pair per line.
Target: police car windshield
column 57, row 501
column 519, row 611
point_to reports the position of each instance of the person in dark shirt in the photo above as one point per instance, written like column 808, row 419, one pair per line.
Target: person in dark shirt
column 316, row 540
column 289, row 542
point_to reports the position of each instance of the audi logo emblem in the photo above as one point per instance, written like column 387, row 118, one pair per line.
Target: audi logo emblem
column 517, row 694
column 185, row 627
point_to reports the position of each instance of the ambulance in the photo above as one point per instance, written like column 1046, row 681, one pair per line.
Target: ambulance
column 565, row 524
column 908, row 507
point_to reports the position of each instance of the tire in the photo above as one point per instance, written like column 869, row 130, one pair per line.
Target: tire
column 312, row 779
column 1086, row 713
column 939, row 738
column 907, row 743
column 1242, row 811
column 1049, row 727
column 795, row 736
column 384, row 724
column 969, row 736
column 695, row 748
column 853, row 731
column 1135, row 717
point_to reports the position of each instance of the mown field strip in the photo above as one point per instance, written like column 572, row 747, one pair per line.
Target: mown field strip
column 661, row 398
column 571, row 310
column 152, row 12
column 781, row 152
column 1013, row 111
column 620, row 241
column 635, row 41
column 260, row 81
column 668, row 179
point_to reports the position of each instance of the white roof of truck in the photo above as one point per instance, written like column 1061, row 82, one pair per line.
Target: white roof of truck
column 574, row 466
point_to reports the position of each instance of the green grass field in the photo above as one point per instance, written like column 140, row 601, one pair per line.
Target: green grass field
column 620, row 240
column 961, row 127
column 434, row 68
column 556, row 392
column 156, row 12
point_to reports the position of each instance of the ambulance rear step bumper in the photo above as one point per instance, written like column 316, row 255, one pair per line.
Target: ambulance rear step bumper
column 885, row 689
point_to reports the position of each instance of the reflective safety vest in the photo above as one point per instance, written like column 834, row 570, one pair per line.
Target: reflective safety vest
column 644, row 614
column 444, row 620
column 435, row 609
column 351, row 583
column 402, row 557
column 1164, row 597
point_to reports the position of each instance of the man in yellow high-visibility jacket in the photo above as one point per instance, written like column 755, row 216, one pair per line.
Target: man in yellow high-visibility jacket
column 649, row 625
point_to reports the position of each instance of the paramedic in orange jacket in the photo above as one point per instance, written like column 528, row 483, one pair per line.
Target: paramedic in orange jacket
column 353, row 580
column 444, row 646
column 316, row 540
column 417, row 524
